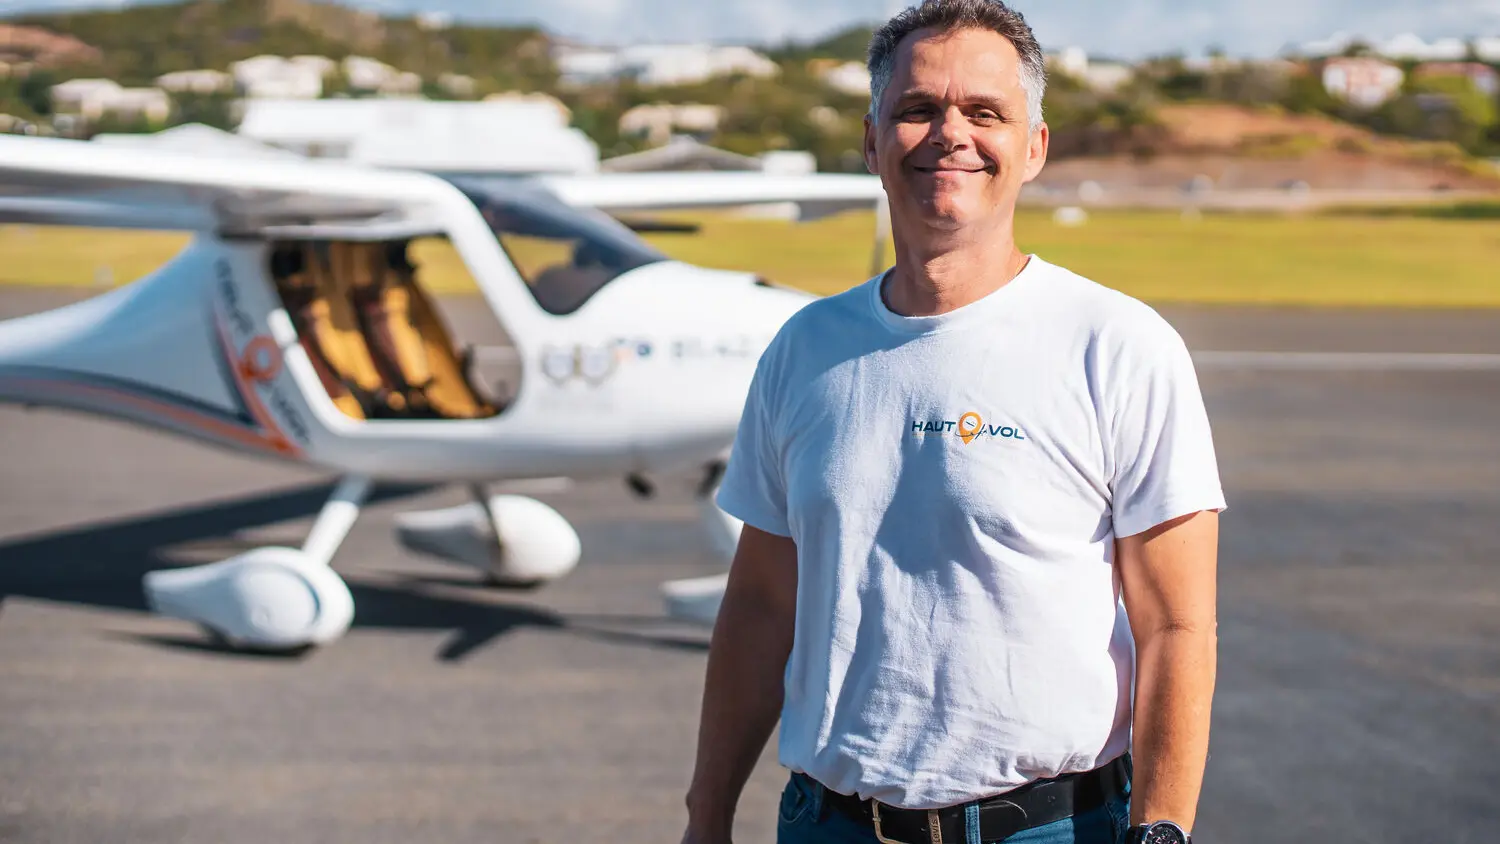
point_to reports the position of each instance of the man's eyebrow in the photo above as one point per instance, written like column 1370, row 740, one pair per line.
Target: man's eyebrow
column 994, row 101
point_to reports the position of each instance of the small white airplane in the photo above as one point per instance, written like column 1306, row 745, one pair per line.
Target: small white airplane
column 293, row 326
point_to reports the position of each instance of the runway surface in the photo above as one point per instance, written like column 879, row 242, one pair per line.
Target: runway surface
column 1359, row 690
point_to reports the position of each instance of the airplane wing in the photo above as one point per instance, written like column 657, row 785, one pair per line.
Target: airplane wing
column 816, row 194
column 66, row 182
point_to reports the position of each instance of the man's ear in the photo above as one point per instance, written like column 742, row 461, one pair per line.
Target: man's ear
column 1036, row 152
column 872, row 162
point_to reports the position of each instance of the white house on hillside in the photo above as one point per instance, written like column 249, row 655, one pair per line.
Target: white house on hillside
column 92, row 99
column 1365, row 82
column 277, row 77
column 1097, row 76
column 367, row 74
column 495, row 136
column 658, row 122
column 660, row 64
column 196, row 82
column 851, row 78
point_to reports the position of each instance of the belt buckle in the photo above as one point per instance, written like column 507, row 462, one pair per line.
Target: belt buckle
column 934, row 826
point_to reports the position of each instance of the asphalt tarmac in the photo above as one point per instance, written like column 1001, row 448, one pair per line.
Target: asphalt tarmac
column 1359, row 685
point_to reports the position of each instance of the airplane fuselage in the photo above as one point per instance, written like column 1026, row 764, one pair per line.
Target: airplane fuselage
column 650, row 374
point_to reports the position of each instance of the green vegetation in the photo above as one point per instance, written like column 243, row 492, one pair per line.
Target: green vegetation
column 795, row 110
column 66, row 257
column 1422, row 259
column 849, row 45
column 1164, row 257
column 1448, row 109
column 142, row 42
column 1456, row 211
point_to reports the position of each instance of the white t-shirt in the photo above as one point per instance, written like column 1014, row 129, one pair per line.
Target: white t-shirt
column 954, row 485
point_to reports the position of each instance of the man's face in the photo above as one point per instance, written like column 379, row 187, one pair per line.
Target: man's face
column 951, row 142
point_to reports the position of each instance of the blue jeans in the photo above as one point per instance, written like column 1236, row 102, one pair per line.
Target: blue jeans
column 804, row 819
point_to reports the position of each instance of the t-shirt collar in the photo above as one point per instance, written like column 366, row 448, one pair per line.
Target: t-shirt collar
column 958, row 317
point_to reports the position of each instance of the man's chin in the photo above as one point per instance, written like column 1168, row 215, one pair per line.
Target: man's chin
column 946, row 216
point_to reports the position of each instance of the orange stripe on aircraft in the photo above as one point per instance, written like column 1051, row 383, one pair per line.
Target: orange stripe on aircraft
column 215, row 428
column 252, row 366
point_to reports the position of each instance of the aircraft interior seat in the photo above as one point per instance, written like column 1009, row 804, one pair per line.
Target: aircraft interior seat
column 451, row 393
column 325, row 319
column 308, row 309
column 346, row 343
column 409, row 336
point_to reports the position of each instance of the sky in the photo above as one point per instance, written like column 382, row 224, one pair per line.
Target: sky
column 1117, row 28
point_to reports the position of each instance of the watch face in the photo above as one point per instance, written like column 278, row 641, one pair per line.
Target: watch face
column 1164, row 832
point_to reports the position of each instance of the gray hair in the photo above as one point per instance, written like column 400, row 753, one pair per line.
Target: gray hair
column 951, row 16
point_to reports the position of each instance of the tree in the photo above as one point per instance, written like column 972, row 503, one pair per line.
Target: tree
column 35, row 91
column 209, row 109
column 1453, row 109
column 1305, row 94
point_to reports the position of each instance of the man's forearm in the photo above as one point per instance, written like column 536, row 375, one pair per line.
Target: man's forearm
column 741, row 702
column 1175, row 671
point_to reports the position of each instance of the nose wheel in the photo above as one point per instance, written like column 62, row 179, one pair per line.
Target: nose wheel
column 270, row 599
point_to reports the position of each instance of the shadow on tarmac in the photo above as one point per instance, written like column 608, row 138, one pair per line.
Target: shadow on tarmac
column 102, row 565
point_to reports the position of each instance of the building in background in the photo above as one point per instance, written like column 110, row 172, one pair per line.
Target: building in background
column 1362, row 81
column 95, row 99
column 682, row 154
column 657, row 65
column 195, row 139
column 1103, row 77
column 196, row 82
column 454, row 138
column 852, row 78
column 659, row 122
column 277, row 77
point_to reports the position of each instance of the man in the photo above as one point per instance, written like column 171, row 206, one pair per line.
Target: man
column 950, row 476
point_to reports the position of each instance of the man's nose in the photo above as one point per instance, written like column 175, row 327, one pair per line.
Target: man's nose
column 950, row 130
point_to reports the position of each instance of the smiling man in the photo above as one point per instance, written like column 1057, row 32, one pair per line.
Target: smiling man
column 977, row 576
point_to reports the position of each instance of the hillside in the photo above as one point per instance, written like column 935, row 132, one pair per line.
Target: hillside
column 1157, row 131
column 1250, row 148
column 139, row 43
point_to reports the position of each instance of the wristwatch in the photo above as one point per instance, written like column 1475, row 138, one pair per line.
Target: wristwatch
column 1157, row 832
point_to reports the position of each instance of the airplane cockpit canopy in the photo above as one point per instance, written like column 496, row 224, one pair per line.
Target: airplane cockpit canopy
column 565, row 254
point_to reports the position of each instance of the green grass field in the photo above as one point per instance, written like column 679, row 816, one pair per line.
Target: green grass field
column 1346, row 259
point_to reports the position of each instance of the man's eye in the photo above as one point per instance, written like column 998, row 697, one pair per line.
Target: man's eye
column 985, row 115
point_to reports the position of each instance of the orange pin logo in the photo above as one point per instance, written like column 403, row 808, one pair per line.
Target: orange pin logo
column 261, row 360
column 969, row 426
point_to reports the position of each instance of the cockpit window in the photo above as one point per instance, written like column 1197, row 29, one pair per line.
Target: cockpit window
column 565, row 254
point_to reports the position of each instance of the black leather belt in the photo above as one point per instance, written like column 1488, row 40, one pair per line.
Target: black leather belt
column 1033, row 804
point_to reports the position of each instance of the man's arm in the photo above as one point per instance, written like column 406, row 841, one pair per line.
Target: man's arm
column 1169, row 576
column 742, row 693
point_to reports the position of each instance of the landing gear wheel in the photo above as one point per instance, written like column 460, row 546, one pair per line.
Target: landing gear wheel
column 268, row 600
column 515, row 542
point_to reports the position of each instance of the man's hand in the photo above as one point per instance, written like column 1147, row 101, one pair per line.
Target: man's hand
column 742, row 692
column 1169, row 576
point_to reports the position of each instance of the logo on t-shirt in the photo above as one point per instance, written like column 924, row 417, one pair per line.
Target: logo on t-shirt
column 969, row 427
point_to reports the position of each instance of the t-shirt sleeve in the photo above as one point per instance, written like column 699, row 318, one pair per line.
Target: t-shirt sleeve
column 1165, row 464
column 752, row 489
